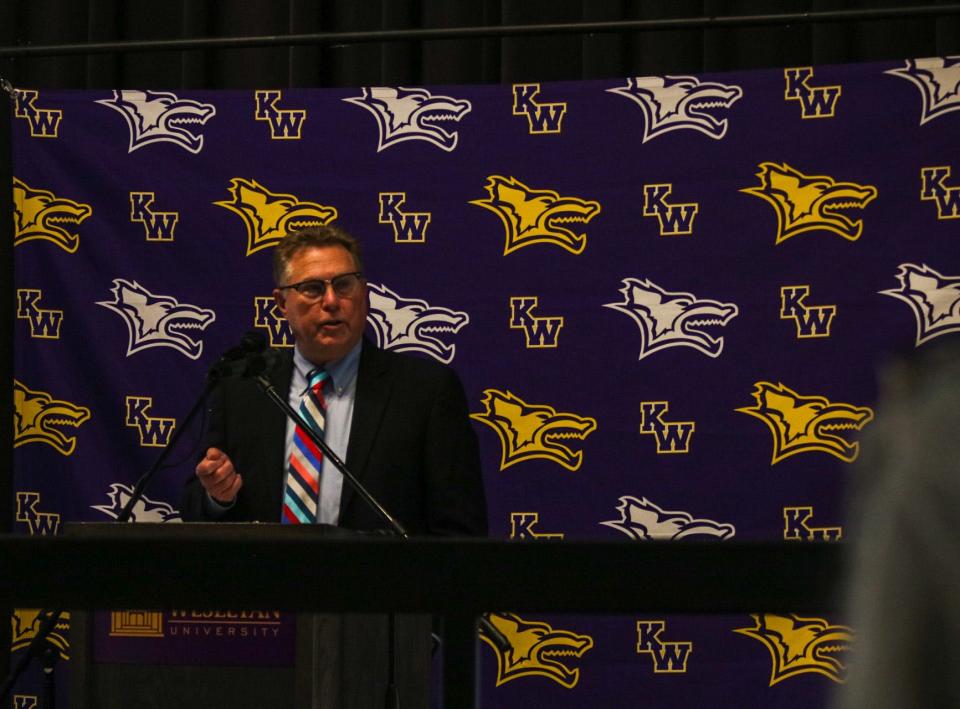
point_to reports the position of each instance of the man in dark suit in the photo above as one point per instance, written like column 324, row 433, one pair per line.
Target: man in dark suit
column 401, row 423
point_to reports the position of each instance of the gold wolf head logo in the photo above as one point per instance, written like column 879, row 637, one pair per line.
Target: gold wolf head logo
column 799, row 645
column 801, row 424
column 40, row 214
column 810, row 202
column 536, row 649
column 270, row 216
column 530, row 431
column 36, row 412
column 536, row 216
column 26, row 623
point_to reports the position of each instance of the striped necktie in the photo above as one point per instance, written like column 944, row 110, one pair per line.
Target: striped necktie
column 302, row 492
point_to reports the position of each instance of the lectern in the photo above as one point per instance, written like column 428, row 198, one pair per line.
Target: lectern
column 239, row 658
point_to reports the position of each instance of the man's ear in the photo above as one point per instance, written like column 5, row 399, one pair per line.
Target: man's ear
column 280, row 301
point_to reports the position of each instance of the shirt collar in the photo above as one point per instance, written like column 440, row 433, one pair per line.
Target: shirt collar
column 342, row 371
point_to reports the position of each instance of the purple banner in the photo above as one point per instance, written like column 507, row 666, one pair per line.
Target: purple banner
column 667, row 296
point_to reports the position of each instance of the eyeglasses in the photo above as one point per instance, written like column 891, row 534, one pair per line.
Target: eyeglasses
column 344, row 286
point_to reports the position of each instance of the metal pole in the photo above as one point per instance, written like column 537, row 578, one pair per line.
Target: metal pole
column 343, row 38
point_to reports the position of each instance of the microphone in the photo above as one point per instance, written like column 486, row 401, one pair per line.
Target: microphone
column 253, row 342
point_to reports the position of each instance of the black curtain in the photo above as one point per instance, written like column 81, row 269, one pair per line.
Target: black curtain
column 482, row 60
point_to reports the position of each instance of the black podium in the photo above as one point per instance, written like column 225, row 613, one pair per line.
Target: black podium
column 239, row 658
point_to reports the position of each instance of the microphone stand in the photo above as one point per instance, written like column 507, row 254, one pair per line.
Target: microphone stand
column 393, row 696
column 39, row 646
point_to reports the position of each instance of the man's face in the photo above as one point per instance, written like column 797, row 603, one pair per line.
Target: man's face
column 328, row 328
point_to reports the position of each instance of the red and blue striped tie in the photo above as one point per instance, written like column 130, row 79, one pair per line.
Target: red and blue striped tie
column 302, row 493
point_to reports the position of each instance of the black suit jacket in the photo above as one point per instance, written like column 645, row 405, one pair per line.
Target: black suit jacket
column 411, row 445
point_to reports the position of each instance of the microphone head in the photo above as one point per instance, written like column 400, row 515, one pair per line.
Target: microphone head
column 253, row 341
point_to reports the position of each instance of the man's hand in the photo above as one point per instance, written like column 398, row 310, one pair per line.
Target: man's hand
column 218, row 477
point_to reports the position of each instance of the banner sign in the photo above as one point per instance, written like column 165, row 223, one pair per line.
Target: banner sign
column 667, row 297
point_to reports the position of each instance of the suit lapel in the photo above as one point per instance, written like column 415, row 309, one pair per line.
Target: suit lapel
column 373, row 393
column 274, row 433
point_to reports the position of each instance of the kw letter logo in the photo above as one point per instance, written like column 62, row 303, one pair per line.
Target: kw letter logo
column 39, row 523
column 667, row 657
column 671, row 437
column 408, row 227
column 285, row 124
column 44, row 122
column 522, row 524
column 542, row 118
column 675, row 219
column 815, row 101
column 154, row 431
column 24, row 701
column 540, row 332
column 811, row 320
column 932, row 188
column 158, row 226
column 44, row 324
column 268, row 317
column 796, row 529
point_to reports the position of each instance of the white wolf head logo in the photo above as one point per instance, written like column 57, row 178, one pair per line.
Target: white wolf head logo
column 154, row 116
column 145, row 510
column 676, row 102
column 157, row 320
column 938, row 79
column 933, row 298
column 411, row 114
column 411, row 325
column 672, row 319
column 643, row 520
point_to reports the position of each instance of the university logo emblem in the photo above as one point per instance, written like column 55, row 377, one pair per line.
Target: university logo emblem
column 536, row 216
column 269, row 216
column 933, row 188
column 529, row 431
column 44, row 324
column 933, row 298
column 644, row 521
column 412, row 325
column 796, row 529
column 36, row 416
column 802, row 424
column 938, row 79
column 673, row 319
column 674, row 219
column 536, row 649
column 284, row 123
column 154, row 431
column 158, row 320
column 40, row 214
column 811, row 320
column 41, row 524
column 667, row 657
column 158, row 226
column 810, row 202
column 408, row 227
column 539, row 332
column 144, row 510
column 522, row 527
column 161, row 117
column 542, row 118
column 412, row 114
column 267, row 316
column 43, row 122
column 798, row 645
column 815, row 101
column 26, row 625
column 136, row 624
column 680, row 102
column 672, row 437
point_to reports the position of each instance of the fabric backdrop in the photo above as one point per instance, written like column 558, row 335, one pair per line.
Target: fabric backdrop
column 667, row 297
